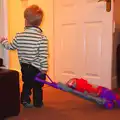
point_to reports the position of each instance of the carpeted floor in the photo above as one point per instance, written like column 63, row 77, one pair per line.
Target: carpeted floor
column 64, row 106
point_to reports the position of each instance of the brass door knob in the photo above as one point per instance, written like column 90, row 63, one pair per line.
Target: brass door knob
column 108, row 4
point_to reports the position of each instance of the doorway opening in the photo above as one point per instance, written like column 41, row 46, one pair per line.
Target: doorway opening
column 116, row 45
column 4, row 31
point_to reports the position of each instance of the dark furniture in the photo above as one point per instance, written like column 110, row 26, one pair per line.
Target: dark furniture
column 9, row 93
column 1, row 63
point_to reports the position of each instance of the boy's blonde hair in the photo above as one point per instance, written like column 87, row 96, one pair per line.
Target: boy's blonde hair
column 33, row 15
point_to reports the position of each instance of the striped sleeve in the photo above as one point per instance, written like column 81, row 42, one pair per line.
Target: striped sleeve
column 12, row 45
column 43, row 54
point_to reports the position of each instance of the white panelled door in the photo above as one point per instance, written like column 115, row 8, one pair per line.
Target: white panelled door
column 83, row 41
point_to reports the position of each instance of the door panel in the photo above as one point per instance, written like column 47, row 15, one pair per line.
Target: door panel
column 66, row 46
column 68, row 50
column 93, row 49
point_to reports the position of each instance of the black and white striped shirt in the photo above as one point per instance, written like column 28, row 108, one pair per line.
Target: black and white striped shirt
column 32, row 47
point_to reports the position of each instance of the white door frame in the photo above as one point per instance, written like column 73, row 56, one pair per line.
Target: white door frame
column 4, row 9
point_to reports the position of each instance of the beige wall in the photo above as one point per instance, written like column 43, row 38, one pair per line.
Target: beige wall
column 16, row 24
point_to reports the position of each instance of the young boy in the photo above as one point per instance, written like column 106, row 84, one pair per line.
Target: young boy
column 32, row 47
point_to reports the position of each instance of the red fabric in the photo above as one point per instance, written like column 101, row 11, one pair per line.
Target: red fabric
column 82, row 85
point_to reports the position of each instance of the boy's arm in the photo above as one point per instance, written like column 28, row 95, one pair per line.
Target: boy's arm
column 43, row 54
column 9, row 46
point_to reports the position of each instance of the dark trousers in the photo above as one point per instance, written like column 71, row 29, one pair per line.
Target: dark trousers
column 28, row 76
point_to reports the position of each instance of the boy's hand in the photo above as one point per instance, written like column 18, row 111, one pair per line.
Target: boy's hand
column 43, row 72
column 3, row 38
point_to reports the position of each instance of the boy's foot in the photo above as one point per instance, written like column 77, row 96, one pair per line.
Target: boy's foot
column 27, row 105
column 39, row 106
